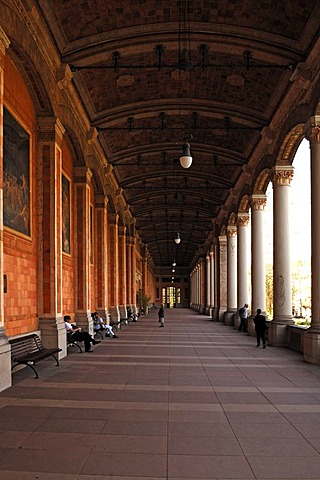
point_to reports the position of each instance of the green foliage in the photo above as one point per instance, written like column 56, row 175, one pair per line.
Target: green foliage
column 142, row 300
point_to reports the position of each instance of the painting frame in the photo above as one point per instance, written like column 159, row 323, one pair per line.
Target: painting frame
column 16, row 176
column 65, row 214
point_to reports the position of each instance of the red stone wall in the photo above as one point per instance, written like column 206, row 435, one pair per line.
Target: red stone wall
column 20, row 259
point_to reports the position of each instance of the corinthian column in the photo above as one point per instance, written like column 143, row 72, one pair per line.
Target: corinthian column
column 243, row 261
column 212, row 280
column 208, row 283
column 222, row 277
column 282, row 281
column 258, row 268
column 231, row 274
column 311, row 339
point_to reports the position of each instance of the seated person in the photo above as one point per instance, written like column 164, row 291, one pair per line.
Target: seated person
column 130, row 315
column 77, row 334
column 98, row 324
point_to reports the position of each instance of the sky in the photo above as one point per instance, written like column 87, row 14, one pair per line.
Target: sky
column 300, row 209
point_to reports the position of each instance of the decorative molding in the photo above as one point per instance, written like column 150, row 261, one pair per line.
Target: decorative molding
column 258, row 202
column 243, row 219
column 282, row 175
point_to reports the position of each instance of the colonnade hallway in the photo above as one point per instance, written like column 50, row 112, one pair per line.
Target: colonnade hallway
column 194, row 400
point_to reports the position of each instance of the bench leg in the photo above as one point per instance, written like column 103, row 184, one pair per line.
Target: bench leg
column 56, row 359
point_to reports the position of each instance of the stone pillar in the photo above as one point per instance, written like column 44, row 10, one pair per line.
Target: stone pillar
column 231, row 274
column 49, row 179
column 101, row 257
column 122, row 271
column 5, row 357
column 198, row 287
column 258, row 267
column 208, row 284
column 129, row 272
column 216, row 255
column 311, row 339
column 83, row 229
column 222, row 277
column 282, row 279
column 113, row 255
column 243, row 262
column 134, row 273
column 212, row 281
column 202, row 285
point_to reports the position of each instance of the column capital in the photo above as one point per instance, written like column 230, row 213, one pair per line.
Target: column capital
column 82, row 175
column 231, row 231
column 243, row 219
column 122, row 230
column 282, row 175
column 113, row 218
column 312, row 129
column 222, row 239
column 258, row 202
column 101, row 202
column 50, row 129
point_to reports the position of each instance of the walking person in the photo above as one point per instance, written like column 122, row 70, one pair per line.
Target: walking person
column 161, row 315
column 243, row 313
column 261, row 328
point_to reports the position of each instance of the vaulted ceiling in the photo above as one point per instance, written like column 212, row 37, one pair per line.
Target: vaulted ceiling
column 154, row 73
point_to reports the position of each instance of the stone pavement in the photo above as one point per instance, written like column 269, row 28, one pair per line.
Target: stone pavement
column 195, row 400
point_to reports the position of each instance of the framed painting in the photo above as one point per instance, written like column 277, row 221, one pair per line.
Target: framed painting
column 66, row 214
column 16, row 176
column 91, row 235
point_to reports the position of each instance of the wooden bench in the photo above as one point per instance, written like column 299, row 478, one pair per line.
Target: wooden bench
column 29, row 350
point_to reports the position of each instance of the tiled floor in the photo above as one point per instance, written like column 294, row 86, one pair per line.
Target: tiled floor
column 195, row 400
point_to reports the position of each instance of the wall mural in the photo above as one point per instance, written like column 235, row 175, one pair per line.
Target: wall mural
column 16, row 175
column 65, row 189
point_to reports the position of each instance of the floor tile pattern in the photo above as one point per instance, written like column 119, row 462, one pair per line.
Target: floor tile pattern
column 195, row 400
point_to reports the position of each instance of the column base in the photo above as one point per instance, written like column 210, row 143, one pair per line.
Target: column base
column 236, row 321
column 53, row 334
column 202, row 309
column 5, row 362
column 311, row 346
column 215, row 314
column 84, row 320
column 278, row 334
column 251, row 327
column 221, row 312
column 229, row 318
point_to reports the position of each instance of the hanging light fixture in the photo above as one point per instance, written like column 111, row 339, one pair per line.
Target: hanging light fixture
column 173, row 270
column 186, row 158
column 177, row 239
column 174, row 263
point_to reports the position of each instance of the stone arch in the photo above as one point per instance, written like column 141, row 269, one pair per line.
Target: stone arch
column 262, row 182
column 244, row 205
column 232, row 219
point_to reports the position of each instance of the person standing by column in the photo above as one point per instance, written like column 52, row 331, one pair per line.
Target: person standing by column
column 243, row 314
column 261, row 327
column 161, row 315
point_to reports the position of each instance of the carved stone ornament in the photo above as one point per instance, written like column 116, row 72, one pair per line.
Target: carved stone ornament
column 258, row 202
column 231, row 232
column 243, row 219
column 282, row 175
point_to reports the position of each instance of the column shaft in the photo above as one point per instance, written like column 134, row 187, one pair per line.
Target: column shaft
column 258, row 268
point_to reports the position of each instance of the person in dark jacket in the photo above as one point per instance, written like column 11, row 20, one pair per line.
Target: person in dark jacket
column 261, row 328
column 161, row 315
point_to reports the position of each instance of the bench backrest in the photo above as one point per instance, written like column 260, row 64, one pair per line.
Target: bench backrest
column 24, row 345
